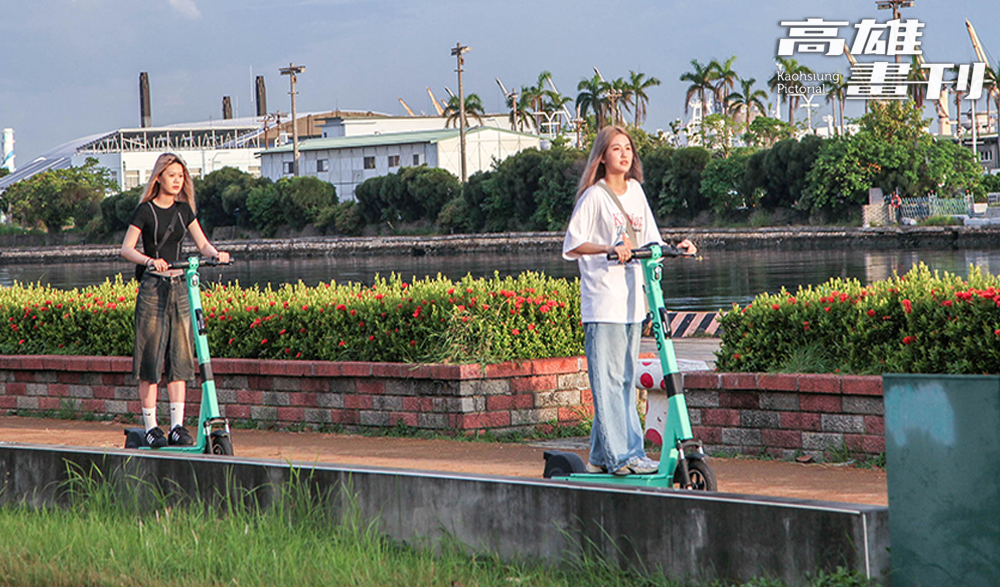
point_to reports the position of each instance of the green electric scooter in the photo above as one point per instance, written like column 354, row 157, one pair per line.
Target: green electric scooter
column 213, row 429
column 682, row 460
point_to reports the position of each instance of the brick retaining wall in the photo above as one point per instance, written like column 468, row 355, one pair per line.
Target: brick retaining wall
column 456, row 397
column 747, row 413
column 786, row 415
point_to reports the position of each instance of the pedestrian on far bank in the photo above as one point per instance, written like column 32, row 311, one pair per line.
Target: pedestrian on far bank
column 610, row 204
column 163, row 336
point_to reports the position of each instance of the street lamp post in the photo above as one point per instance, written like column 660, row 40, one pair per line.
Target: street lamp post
column 894, row 5
column 457, row 52
column 292, row 72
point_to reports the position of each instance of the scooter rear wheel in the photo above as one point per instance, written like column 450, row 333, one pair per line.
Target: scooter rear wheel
column 221, row 444
column 701, row 475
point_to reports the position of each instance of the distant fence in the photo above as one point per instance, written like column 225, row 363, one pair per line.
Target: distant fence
column 923, row 208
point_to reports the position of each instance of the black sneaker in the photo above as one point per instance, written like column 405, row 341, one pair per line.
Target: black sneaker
column 155, row 438
column 179, row 436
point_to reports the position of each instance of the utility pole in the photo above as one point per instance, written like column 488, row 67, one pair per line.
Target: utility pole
column 894, row 5
column 457, row 52
column 292, row 72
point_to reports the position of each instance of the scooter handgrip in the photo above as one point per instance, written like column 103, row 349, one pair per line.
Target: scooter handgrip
column 636, row 254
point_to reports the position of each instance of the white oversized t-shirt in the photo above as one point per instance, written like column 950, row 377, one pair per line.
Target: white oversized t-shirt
column 609, row 291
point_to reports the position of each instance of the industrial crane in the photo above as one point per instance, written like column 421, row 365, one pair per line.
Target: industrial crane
column 434, row 101
column 983, row 58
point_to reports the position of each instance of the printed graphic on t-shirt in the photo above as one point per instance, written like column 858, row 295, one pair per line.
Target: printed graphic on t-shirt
column 619, row 220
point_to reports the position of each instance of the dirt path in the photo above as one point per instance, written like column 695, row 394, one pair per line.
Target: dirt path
column 749, row 476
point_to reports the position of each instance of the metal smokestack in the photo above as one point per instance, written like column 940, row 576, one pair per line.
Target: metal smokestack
column 227, row 108
column 261, row 97
column 7, row 154
column 145, row 114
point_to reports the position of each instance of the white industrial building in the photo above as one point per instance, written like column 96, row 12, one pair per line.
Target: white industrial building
column 348, row 159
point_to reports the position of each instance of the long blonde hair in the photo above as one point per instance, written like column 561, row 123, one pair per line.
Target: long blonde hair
column 153, row 187
column 595, row 171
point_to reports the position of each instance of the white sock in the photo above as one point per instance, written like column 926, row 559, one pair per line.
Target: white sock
column 149, row 418
column 176, row 414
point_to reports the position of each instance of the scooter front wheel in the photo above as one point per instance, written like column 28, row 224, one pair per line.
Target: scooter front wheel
column 221, row 444
column 701, row 475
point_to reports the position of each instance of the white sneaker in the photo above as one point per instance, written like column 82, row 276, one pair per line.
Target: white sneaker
column 592, row 468
column 640, row 466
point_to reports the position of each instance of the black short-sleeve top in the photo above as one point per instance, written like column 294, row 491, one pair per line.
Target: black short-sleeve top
column 163, row 229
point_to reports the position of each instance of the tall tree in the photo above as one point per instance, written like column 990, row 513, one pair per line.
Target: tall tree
column 836, row 92
column 701, row 79
column 640, row 83
column 592, row 96
column 725, row 80
column 747, row 99
column 787, row 69
column 473, row 109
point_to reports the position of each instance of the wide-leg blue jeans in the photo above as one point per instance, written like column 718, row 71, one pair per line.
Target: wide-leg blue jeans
column 616, row 436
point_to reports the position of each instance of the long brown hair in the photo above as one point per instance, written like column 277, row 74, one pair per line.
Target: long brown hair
column 595, row 167
column 153, row 187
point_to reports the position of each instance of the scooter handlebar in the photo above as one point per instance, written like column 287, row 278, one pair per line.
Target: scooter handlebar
column 202, row 261
column 645, row 252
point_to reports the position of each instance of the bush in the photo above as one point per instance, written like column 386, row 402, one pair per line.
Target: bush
column 916, row 323
column 303, row 199
column 428, row 321
column 266, row 210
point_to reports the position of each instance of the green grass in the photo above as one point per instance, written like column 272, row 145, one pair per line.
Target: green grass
column 132, row 532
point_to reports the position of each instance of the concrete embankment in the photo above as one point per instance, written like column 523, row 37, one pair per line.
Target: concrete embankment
column 24, row 250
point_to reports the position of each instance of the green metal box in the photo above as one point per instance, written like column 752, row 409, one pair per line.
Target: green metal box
column 942, row 441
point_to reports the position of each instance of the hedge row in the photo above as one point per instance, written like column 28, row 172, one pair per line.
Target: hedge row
column 920, row 322
column 433, row 320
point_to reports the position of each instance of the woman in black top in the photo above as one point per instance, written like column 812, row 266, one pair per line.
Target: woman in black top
column 163, row 336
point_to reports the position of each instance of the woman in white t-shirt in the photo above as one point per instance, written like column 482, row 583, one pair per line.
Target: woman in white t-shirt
column 611, row 296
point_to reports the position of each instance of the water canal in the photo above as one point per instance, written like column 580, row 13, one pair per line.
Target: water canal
column 716, row 281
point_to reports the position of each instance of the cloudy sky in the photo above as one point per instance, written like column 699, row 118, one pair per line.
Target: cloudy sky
column 70, row 68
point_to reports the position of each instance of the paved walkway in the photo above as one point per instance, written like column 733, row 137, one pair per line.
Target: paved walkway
column 689, row 349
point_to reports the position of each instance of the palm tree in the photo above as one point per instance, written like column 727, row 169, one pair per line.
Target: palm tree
column 473, row 109
column 725, row 79
column 623, row 101
column 917, row 82
column 592, row 97
column 520, row 107
column 701, row 81
column 836, row 91
column 747, row 99
column 640, row 83
column 790, row 67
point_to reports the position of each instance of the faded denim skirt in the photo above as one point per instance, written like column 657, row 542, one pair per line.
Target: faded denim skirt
column 163, row 335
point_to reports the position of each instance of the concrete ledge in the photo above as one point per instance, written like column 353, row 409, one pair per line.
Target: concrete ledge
column 696, row 536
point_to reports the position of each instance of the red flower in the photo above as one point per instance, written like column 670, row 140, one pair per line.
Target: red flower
column 231, row 340
column 302, row 330
column 281, row 332
column 531, row 326
column 342, row 307
column 907, row 306
column 775, row 307
column 908, row 340
column 871, row 313
column 413, row 343
column 263, row 342
column 20, row 341
column 515, row 332
column 372, row 337
column 298, row 355
column 451, row 290
column 948, row 303
column 736, row 356
column 827, row 308
column 353, row 312
column 342, row 343
column 997, row 332
column 305, row 307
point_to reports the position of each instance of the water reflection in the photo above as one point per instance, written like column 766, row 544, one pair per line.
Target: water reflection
column 719, row 279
